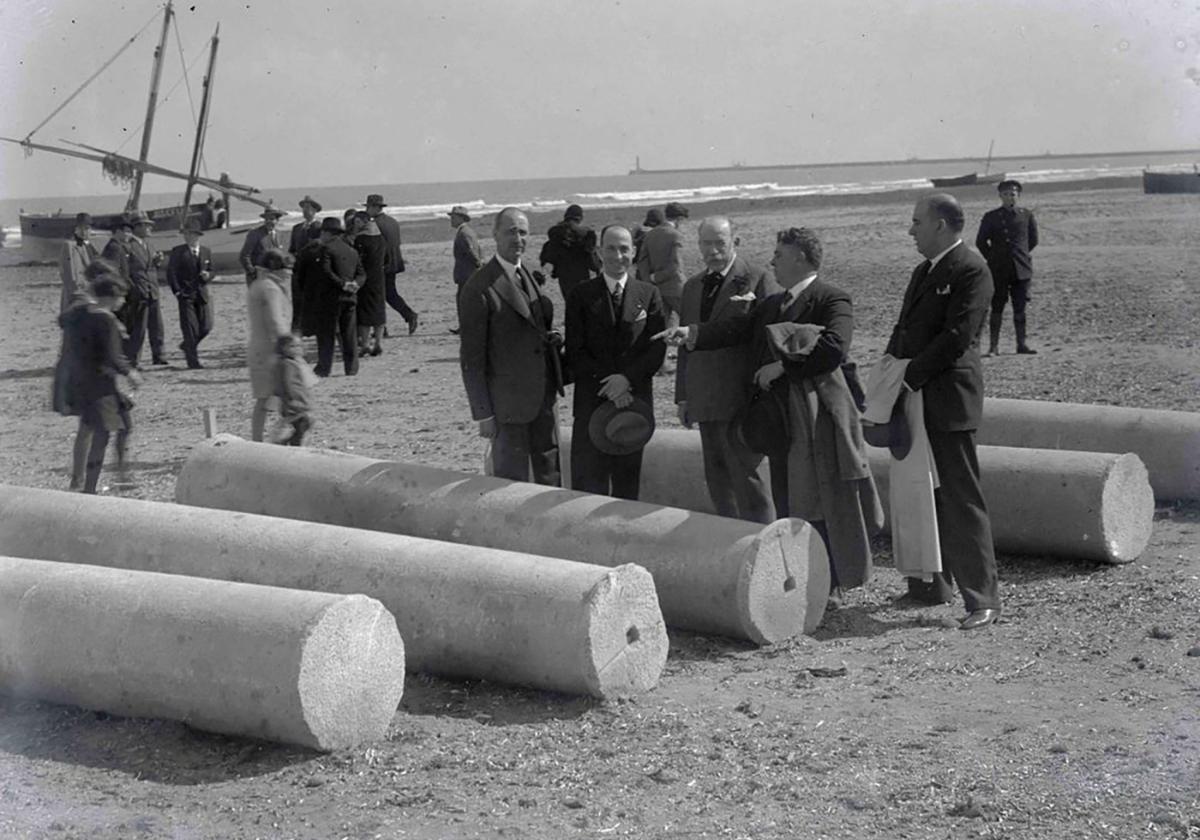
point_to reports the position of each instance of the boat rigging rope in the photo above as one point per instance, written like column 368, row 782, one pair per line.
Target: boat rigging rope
column 163, row 101
column 92, row 78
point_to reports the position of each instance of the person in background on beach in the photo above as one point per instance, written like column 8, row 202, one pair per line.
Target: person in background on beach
column 713, row 386
column 306, row 230
column 938, row 332
column 133, row 261
column 799, row 340
column 143, row 270
column 268, row 319
column 468, row 256
column 509, row 355
column 654, row 218
column 90, row 373
column 610, row 319
column 393, row 264
column 330, row 288
column 662, row 259
column 189, row 269
column 208, row 214
column 570, row 251
column 258, row 241
column 77, row 254
column 1006, row 237
column 371, row 312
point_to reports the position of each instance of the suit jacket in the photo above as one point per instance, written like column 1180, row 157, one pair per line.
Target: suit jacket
column 468, row 257
column 661, row 259
column 258, row 242
column 715, row 383
column 938, row 331
column 508, row 366
column 72, row 264
column 303, row 233
column 183, row 272
column 393, row 259
column 601, row 342
column 1005, row 239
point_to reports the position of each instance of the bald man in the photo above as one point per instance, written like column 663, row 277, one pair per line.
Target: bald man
column 509, row 358
column 610, row 320
column 712, row 386
column 938, row 332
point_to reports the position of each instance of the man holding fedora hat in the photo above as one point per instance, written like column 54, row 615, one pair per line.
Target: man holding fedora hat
column 393, row 261
column 610, row 320
column 189, row 268
column 259, row 240
column 509, row 358
column 77, row 254
column 468, row 256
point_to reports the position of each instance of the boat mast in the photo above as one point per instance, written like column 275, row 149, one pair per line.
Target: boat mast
column 136, row 193
column 991, row 146
column 201, row 127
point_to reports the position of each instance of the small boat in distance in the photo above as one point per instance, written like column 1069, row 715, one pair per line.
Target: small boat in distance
column 972, row 178
column 1160, row 183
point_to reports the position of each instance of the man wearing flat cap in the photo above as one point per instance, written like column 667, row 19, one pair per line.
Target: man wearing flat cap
column 1007, row 236
column 570, row 251
column 189, row 269
column 259, row 240
column 393, row 262
column 468, row 256
column 77, row 254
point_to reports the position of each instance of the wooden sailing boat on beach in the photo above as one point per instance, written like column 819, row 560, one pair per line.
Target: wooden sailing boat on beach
column 42, row 234
column 973, row 177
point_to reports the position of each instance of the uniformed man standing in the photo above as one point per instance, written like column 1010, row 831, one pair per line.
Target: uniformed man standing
column 1006, row 237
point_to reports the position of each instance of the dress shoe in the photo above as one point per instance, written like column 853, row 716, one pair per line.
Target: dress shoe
column 979, row 618
column 195, row 366
column 1026, row 350
column 376, row 349
column 413, row 323
column 836, row 598
column 158, row 360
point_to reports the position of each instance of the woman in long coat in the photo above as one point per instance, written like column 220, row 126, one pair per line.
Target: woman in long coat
column 372, row 312
column 269, row 316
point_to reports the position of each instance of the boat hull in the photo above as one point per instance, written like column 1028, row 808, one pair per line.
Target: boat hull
column 1170, row 182
column 970, row 180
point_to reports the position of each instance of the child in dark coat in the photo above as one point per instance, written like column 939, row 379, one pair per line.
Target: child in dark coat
column 89, row 376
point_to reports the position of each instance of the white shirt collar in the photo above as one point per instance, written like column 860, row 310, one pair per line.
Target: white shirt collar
column 724, row 272
column 615, row 283
column 796, row 290
column 509, row 268
column 933, row 262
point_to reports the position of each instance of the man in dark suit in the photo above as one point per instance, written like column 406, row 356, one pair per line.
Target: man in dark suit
column 308, row 229
column 144, row 267
column 468, row 256
column 509, row 358
column 1006, row 237
column 570, row 250
column 137, row 266
column 393, row 263
column 610, row 320
column 330, row 287
column 258, row 241
column 189, row 268
column 938, row 331
column 712, row 386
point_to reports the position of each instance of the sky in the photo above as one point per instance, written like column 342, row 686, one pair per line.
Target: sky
column 393, row 91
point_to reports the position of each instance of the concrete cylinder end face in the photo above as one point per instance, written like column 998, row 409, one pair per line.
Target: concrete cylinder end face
column 351, row 674
column 1127, row 509
column 627, row 637
column 784, row 582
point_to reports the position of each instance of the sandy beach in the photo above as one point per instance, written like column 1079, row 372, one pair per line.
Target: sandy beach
column 1065, row 720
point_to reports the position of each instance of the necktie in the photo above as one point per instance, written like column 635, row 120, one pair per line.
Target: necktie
column 617, row 295
column 712, row 285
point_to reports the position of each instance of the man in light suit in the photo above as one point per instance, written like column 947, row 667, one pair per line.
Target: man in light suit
column 468, row 256
column 509, row 358
column 189, row 268
column 712, row 386
column 661, row 259
column 610, row 320
column 258, row 241
column 938, row 331
column 77, row 254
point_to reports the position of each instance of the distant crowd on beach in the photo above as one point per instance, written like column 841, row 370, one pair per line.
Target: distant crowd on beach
column 764, row 367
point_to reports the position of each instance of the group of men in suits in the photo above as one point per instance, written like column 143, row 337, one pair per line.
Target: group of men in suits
column 137, row 262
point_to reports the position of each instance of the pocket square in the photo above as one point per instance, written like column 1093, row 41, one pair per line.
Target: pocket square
column 641, row 316
column 746, row 297
column 945, row 290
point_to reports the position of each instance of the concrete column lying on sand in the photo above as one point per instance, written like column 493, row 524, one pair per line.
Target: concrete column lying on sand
column 713, row 575
column 463, row 611
column 1168, row 442
column 1089, row 505
column 309, row 668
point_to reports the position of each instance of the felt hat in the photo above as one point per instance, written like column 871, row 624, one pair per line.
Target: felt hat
column 139, row 218
column 459, row 210
column 762, row 424
column 312, row 202
column 620, row 431
column 332, row 224
column 375, row 200
column 193, row 225
column 894, row 435
column 270, row 212
column 654, row 217
column 675, row 210
column 573, row 211
column 83, row 219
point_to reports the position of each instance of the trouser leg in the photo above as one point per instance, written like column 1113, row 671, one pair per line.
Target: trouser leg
column 348, row 331
column 395, row 299
column 189, row 327
column 731, row 472
column 325, row 350
column 79, row 454
column 95, row 460
column 135, row 325
column 777, row 463
column 626, row 472
column 154, row 323
column 1020, row 297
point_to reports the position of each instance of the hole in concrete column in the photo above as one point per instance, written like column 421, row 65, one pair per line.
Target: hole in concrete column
column 789, row 583
column 632, row 635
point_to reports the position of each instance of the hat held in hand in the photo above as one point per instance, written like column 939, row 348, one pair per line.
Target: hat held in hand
column 621, row 431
